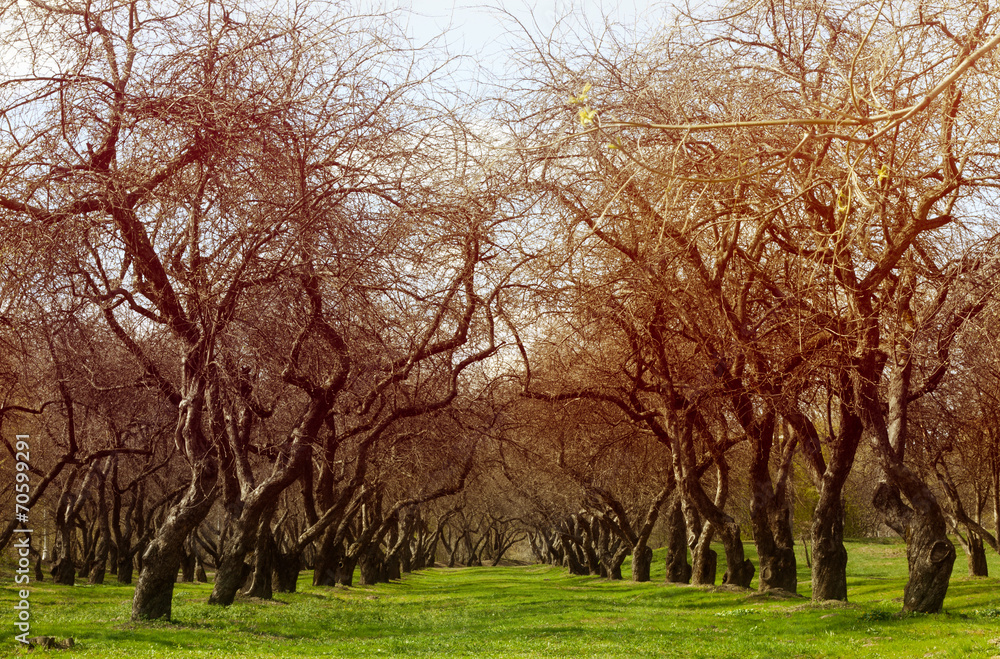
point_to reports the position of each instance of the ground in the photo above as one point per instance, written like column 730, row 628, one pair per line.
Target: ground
column 532, row 611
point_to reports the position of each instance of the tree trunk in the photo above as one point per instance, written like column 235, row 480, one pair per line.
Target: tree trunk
column 406, row 557
column 588, row 545
column 230, row 574
column 829, row 473
column 286, row 572
column 161, row 560
column 188, row 563
column 930, row 555
column 706, row 565
column 642, row 559
column 704, row 559
column 334, row 567
column 328, row 559
column 63, row 568
column 199, row 570
column 371, row 562
column 977, row 556
column 678, row 569
column 344, row 573
column 739, row 569
column 100, row 565
column 769, row 513
column 263, row 563
column 572, row 556
column 829, row 559
column 126, row 566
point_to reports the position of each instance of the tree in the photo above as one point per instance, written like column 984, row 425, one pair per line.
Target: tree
column 816, row 201
column 194, row 174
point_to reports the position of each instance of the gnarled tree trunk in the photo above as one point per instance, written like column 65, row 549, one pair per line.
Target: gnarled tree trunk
column 162, row 558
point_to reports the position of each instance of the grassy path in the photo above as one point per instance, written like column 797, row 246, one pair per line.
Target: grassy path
column 530, row 611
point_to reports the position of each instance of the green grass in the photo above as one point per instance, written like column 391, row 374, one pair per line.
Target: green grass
column 532, row 611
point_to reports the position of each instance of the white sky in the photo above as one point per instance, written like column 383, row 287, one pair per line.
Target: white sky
column 481, row 31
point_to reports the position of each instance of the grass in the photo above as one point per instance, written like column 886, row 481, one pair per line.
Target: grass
column 532, row 611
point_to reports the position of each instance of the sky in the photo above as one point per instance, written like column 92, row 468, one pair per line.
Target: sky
column 481, row 30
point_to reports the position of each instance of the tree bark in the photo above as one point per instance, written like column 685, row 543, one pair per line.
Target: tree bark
column 977, row 556
column 930, row 555
column 704, row 560
column 371, row 562
column 829, row 559
column 161, row 560
column 739, row 569
column 678, row 569
column 642, row 560
column 126, row 567
column 829, row 474
column 769, row 513
column 188, row 561
column 263, row 563
column 286, row 571
column 259, row 504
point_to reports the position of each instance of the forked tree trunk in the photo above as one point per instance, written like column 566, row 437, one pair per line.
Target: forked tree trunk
column 162, row 558
column 231, row 573
column 572, row 558
column 704, row 560
column 328, row 559
column 334, row 568
column 769, row 512
column 829, row 473
column 930, row 555
column 739, row 570
column 260, row 503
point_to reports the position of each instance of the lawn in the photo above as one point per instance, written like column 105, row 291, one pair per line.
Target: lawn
column 532, row 611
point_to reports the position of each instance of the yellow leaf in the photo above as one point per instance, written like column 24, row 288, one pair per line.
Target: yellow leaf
column 581, row 97
column 843, row 202
column 883, row 173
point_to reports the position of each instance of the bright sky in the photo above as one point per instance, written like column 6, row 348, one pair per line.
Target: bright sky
column 483, row 30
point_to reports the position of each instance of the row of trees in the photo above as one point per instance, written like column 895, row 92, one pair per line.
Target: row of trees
column 275, row 297
column 781, row 217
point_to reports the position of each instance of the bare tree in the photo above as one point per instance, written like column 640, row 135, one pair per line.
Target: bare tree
column 810, row 204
